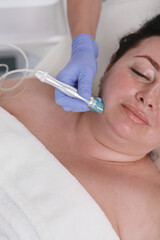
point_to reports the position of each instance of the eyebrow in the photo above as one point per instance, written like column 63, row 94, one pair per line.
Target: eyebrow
column 153, row 62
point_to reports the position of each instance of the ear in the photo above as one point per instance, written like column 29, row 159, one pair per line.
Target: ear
column 103, row 79
column 113, row 58
column 108, row 67
column 105, row 72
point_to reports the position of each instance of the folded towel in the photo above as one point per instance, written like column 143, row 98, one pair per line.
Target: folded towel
column 39, row 198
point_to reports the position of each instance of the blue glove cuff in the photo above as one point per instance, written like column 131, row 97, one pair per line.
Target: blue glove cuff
column 85, row 42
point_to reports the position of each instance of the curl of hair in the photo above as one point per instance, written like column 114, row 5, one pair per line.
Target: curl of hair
column 148, row 29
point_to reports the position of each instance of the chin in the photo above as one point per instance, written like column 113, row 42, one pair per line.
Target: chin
column 122, row 126
column 121, row 132
column 123, row 129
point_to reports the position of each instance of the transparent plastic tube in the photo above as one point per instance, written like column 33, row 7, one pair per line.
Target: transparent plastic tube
column 25, row 71
column 94, row 104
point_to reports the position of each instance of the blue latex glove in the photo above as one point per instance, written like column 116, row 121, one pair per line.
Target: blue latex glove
column 79, row 73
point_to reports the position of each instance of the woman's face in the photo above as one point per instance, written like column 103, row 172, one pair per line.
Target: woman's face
column 131, row 94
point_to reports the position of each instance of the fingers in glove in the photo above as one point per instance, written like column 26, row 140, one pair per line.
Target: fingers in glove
column 74, row 104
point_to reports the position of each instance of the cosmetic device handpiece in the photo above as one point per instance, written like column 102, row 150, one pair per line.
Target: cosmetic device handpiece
column 94, row 104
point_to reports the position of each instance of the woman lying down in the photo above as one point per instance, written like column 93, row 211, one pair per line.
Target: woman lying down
column 108, row 153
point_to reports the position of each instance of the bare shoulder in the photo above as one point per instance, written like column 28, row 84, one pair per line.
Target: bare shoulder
column 29, row 94
column 11, row 91
column 33, row 104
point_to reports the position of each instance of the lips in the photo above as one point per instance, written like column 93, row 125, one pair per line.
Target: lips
column 136, row 115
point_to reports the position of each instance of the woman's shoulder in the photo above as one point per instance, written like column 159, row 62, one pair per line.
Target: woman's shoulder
column 12, row 93
column 139, row 218
column 138, row 209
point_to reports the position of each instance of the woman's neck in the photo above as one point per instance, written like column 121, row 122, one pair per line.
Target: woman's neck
column 81, row 132
column 94, row 148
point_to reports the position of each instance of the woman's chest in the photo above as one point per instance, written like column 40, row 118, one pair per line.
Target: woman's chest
column 131, row 202
column 138, row 212
column 131, row 206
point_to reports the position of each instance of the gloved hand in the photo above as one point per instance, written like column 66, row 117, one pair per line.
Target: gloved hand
column 79, row 73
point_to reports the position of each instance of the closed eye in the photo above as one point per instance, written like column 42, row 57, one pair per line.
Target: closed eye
column 139, row 74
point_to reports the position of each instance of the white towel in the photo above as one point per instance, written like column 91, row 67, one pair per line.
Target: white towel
column 39, row 198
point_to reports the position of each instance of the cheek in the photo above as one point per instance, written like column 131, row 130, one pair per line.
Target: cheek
column 118, row 84
column 119, row 88
column 154, row 136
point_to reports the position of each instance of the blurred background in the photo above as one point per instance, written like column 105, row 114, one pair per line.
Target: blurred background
column 33, row 25
column 40, row 28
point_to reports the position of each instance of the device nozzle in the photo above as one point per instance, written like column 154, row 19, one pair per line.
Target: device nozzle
column 96, row 105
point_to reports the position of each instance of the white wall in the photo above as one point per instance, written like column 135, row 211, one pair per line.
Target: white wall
column 119, row 17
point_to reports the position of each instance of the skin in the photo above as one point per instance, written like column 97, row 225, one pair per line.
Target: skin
column 123, row 86
column 83, row 16
column 106, row 152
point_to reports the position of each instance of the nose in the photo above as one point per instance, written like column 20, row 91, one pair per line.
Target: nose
column 150, row 96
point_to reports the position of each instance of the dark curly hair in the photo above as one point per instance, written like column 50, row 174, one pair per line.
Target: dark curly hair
column 148, row 29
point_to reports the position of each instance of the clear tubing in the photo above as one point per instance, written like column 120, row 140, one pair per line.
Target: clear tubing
column 4, row 65
column 65, row 88
column 18, row 49
column 94, row 104
column 2, row 78
column 25, row 71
